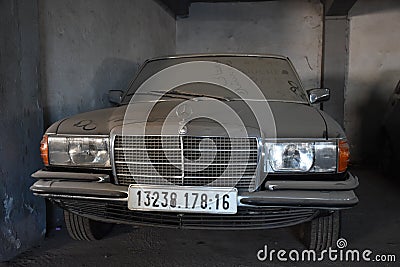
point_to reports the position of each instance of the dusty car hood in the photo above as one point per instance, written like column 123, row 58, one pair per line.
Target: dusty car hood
column 292, row 120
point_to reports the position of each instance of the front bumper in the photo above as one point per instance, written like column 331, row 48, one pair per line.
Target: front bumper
column 282, row 204
column 311, row 194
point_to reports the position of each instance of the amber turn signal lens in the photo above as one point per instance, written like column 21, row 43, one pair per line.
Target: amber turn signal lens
column 344, row 155
column 44, row 150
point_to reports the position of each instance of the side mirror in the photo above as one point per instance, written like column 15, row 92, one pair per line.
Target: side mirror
column 115, row 96
column 318, row 95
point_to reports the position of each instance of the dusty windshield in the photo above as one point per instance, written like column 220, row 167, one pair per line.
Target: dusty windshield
column 274, row 76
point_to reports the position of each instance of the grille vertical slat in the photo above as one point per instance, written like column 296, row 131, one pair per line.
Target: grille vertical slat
column 211, row 161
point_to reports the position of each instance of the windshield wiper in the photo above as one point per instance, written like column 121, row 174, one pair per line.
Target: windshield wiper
column 163, row 95
column 181, row 95
column 190, row 95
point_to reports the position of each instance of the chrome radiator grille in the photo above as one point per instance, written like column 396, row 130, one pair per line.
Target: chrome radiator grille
column 186, row 160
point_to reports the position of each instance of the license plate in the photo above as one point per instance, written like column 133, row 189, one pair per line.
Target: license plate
column 219, row 200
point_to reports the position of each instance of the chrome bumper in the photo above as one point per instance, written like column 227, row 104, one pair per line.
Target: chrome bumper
column 310, row 194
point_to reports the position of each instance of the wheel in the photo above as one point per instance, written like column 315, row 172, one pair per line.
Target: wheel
column 82, row 228
column 322, row 232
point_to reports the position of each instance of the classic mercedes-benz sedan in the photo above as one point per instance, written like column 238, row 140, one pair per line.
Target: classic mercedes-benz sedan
column 219, row 142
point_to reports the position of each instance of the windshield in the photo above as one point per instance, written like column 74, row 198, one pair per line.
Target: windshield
column 274, row 76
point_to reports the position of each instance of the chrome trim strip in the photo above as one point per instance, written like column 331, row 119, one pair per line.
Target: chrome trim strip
column 50, row 175
column 145, row 149
column 186, row 163
column 192, row 177
column 182, row 160
column 304, row 198
column 348, row 184
column 79, row 197
column 302, row 139
column 150, row 176
column 79, row 135
column 79, row 189
column 199, row 136
column 172, row 149
column 259, row 170
column 112, row 161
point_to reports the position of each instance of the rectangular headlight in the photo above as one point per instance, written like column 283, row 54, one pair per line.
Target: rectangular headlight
column 79, row 151
column 300, row 157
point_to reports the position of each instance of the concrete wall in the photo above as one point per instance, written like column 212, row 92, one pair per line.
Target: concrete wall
column 291, row 28
column 85, row 49
column 335, row 64
column 373, row 71
column 91, row 46
column 22, row 216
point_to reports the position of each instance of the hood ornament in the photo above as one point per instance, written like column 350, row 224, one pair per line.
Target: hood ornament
column 184, row 112
column 183, row 130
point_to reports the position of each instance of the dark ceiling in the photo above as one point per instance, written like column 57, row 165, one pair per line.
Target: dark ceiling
column 180, row 8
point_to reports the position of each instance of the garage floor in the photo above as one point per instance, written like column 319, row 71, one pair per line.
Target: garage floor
column 373, row 224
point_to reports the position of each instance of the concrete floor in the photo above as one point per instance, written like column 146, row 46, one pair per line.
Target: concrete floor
column 373, row 224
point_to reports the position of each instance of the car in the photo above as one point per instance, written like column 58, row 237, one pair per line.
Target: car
column 208, row 141
column 390, row 133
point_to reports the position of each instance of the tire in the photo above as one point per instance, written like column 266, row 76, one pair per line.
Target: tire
column 322, row 232
column 82, row 228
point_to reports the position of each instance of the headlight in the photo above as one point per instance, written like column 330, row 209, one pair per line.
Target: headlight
column 301, row 157
column 291, row 157
column 79, row 151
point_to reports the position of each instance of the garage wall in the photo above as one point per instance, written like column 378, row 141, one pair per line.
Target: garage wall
column 373, row 71
column 335, row 65
column 291, row 28
column 22, row 216
column 91, row 46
